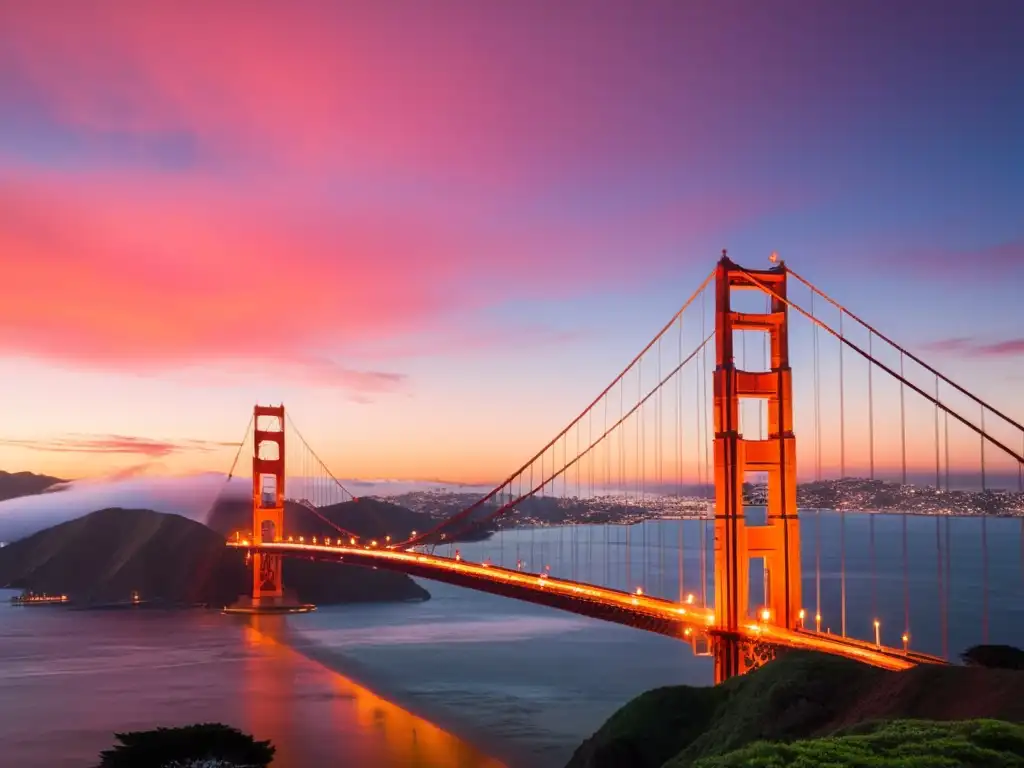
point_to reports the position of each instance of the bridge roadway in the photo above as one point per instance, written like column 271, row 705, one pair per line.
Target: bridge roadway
column 679, row 620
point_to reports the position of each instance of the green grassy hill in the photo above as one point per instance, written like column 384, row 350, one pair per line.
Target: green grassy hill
column 799, row 696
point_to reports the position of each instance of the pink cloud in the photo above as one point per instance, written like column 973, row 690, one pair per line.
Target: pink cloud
column 970, row 347
column 354, row 184
column 118, row 444
column 106, row 270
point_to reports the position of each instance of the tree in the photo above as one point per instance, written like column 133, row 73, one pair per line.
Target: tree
column 205, row 744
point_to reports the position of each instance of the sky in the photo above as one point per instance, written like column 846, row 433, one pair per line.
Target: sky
column 436, row 231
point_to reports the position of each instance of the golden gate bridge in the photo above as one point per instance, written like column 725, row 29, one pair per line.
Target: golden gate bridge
column 670, row 421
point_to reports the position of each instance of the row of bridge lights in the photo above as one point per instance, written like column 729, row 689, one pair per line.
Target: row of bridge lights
column 766, row 616
column 765, row 613
column 339, row 542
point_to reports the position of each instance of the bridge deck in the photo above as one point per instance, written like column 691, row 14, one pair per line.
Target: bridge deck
column 641, row 611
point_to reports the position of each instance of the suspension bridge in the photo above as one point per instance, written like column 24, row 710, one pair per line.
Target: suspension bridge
column 713, row 445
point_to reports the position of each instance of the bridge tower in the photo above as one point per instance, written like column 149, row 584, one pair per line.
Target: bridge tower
column 267, row 501
column 736, row 542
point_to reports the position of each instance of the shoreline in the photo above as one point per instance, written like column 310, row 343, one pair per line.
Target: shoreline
column 364, row 677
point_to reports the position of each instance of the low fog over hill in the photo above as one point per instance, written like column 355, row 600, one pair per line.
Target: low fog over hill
column 193, row 497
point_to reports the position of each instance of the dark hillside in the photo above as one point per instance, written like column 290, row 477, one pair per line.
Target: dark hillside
column 367, row 518
column 16, row 484
column 106, row 555
column 798, row 696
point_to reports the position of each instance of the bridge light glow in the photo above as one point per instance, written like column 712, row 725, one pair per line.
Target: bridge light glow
column 413, row 533
column 639, row 590
column 878, row 633
column 765, row 614
column 689, row 599
column 352, row 541
column 373, row 543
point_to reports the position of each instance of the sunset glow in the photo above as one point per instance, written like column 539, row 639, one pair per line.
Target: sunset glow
column 435, row 243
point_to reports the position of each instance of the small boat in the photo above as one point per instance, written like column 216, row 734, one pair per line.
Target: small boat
column 31, row 598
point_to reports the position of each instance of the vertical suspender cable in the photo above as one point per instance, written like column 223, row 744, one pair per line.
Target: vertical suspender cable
column 842, row 475
column 945, row 440
column 984, row 579
column 903, row 450
column 939, row 580
column 871, row 408
column 982, row 438
column 949, row 589
column 659, row 460
column 641, row 461
column 903, row 422
column 874, row 572
column 938, row 468
column 817, row 460
column 842, row 568
column 906, row 581
column 679, row 457
column 871, row 460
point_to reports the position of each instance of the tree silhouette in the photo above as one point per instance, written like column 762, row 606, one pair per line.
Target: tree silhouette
column 185, row 746
column 994, row 657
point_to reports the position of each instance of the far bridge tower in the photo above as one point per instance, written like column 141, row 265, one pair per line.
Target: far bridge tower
column 267, row 501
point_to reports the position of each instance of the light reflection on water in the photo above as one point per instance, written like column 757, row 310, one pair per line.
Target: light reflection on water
column 69, row 680
column 524, row 682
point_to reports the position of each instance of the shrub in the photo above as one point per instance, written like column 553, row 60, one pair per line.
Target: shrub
column 894, row 744
column 994, row 657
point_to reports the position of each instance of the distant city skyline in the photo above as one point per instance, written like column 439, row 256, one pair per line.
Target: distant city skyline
column 435, row 245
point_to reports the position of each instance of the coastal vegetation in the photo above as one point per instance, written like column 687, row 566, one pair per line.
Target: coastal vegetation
column 994, row 657
column 805, row 706
column 206, row 745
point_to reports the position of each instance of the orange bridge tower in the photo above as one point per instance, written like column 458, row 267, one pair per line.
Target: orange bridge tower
column 777, row 542
column 267, row 501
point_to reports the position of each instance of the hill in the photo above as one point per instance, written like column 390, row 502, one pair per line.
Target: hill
column 797, row 696
column 15, row 484
column 367, row 518
column 107, row 554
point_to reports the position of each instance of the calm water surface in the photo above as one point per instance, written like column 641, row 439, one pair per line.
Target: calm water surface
column 522, row 683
